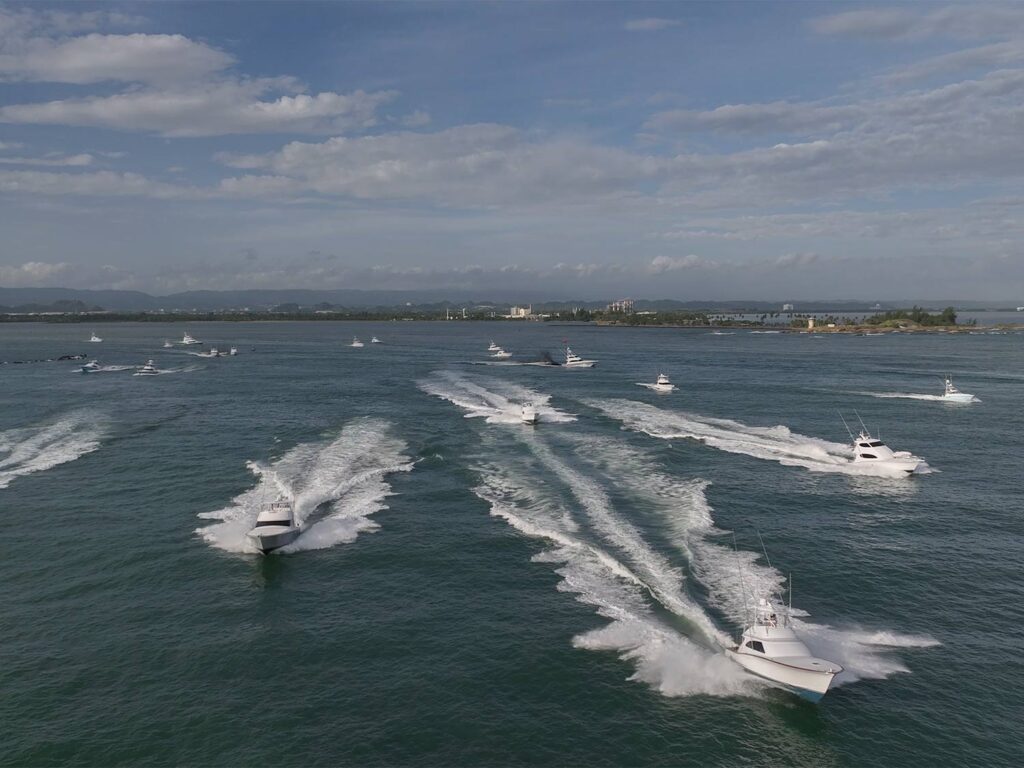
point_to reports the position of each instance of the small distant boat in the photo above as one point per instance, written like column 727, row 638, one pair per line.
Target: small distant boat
column 529, row 413
column 501, row 354
column 188, row 340
column 275, row 526
column 168, row 344
column 356, row 342
column 771, row 649
column 211, row 352
column 662, row 384
column 233, row 351
column 94, row 338
column 870, row 450
column 90, row 367
column 954, row 395
column 375, row 340
column 572, row 360
column 494, row 347
column 149, row 369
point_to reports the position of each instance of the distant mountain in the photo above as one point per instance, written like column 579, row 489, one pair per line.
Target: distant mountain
column 45, row 299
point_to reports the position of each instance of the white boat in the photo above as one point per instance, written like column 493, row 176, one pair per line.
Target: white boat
column 94, row 338
column 149, row 369
column 871, row 450
column 233, row 351
column 494, row 347
column 500, row 354
column 663, row 384
column 90, row 367
column 356, row 342
column 275, row 526
column 771, row 649
column 211, row 352
column 572, row 360
column 529, row 413
column 375, row 340
column 188, row 340
column 168, row 344
column 954, row 395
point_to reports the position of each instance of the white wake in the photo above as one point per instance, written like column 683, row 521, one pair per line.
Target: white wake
column 498, row 402
column 26, row 450
column 336, row 486
column 776, row 443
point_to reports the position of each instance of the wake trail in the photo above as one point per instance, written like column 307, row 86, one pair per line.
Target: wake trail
column 497, row 402
column 26, row 450
column 336, row 486
column 663, row 658
column 734, row 578
column 776, row 443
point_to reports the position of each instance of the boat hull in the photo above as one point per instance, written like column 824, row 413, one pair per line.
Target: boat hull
column 808, row 684
column 959, row 398
column 269, row 540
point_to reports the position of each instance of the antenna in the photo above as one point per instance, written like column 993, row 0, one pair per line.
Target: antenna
column 763, row 549
column 862, row 424
column 848, row 430
column 743, row 586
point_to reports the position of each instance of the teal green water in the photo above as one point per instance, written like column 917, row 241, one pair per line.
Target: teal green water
column 469, row 591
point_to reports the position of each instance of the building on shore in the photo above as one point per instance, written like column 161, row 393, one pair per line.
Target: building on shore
column 623, row 306
column 521, row 312
column 788, row 307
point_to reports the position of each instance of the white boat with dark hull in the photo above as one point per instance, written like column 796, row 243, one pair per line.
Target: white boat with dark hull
column 500, row 354
column 188, row 341
column 92, row 366
column 94, row 338
column 375, row 340
column 954, row 395
column 572, row 360
column 149, row 369
column 529, row 414
column 663, row 384
column 356, row 342
column 275, row 527
column 771, row 649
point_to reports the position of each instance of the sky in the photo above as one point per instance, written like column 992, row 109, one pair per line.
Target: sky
column 720, row 150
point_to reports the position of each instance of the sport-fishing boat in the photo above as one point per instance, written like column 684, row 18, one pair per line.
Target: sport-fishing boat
column 494, row 347
column 375, row 340
column 149, row 369
column 500, row 354
column 275, row 526
column 188, row 340
column 663, row 384
column 771, row 649
column 954, row 395
column 572, row 360
column 94, row 338
column 871, row 450
column 529, row 414
column 211, row 352
column 356, row 342
column 90, row 367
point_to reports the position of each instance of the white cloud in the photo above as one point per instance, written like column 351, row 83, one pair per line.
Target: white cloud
column 180, row 87
column 96, row 58
column 973, row 20
column 98, row 183
column 650, row 24
column 55, row 161
column 216, row 108
column 30, row 273
column 662, row 264
column 473, row 165
column 994, row 55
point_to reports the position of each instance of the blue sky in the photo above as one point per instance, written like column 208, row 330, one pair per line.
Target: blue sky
column 667, row 150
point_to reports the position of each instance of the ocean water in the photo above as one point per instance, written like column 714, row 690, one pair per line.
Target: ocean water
column 470, row 591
